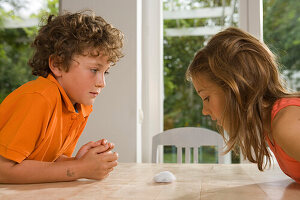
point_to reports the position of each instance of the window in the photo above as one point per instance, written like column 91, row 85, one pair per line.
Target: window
column 18, row 26
column 188, row 24
column 282, row 35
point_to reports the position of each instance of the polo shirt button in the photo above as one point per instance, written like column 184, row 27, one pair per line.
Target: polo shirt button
column 74, row 116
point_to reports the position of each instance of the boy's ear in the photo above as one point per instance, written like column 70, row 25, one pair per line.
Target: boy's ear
column 54, row 66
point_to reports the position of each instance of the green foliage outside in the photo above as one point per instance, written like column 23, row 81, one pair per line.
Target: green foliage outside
column 182, row 106
column 282, row 31
column 15, row 47
column 206, row 154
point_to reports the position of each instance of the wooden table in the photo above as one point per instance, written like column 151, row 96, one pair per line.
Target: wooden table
column 194, row 181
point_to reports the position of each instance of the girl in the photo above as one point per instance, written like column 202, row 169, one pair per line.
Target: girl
column 237, row 78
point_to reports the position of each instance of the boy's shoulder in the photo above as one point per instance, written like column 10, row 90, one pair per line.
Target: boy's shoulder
column 45, row 87
column 40, row 85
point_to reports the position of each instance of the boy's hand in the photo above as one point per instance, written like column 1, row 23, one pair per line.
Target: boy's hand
column 104, row 142
column 85, row 148
column 98, row 162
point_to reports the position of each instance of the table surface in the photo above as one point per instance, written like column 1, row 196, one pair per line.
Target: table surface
column 194, row 181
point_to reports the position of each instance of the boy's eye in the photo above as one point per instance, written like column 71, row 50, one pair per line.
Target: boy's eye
column 106, row 73
column 94, row 70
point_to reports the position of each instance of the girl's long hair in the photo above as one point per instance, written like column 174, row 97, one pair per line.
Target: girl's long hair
column 247, row 71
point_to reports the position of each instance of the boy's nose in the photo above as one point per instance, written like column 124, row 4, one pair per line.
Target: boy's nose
column 101, row 82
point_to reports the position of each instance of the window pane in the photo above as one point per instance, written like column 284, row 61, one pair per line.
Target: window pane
column 282, row 35
column 18, row 25
column 188, row 24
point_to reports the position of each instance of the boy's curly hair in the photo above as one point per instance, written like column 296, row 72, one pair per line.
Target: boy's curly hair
column 71, row 34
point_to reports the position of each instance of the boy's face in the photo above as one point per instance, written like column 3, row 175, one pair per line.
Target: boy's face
column 85, row 78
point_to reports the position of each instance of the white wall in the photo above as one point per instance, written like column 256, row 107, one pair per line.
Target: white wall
column 152, row 78
column 116, row 111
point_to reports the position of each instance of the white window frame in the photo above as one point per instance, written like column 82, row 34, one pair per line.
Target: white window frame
column 251, row 17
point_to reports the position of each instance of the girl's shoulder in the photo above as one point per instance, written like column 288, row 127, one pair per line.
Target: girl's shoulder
column 285, row 125
column 283, row 104
column 285, row 113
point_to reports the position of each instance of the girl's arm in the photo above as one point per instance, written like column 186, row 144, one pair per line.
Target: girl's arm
column 286, row 130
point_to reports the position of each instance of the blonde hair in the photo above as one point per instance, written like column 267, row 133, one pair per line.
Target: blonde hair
column 247, row 72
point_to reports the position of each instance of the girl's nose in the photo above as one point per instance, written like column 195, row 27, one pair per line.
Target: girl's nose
column 205, row 110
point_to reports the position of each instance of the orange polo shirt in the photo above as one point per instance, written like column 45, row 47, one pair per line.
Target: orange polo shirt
column 39, row 122
column 288, row 165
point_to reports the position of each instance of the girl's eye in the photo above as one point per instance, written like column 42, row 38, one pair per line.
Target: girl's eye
column 106, row 73
column 206, row 99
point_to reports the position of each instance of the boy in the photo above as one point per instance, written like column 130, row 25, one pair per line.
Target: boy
column 42, row 120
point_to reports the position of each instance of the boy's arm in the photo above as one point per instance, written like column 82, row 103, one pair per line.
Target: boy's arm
column 64, row 158
column 32, row 171
column 92, row 165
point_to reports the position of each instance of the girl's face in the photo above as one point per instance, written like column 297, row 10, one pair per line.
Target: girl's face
column 213, row 98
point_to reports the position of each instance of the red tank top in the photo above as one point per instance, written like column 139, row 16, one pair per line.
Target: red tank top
column 288, row 165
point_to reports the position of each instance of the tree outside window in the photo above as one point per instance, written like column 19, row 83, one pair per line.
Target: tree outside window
column 16, row 35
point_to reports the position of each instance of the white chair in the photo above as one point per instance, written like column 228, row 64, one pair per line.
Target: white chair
column 188, row 137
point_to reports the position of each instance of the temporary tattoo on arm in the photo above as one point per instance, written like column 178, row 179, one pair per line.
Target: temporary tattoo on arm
column 70, row 173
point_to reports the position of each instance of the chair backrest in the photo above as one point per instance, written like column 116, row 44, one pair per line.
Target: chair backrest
column 188, row 137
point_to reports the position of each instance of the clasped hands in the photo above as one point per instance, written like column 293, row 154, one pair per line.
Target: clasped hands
column 98, row 157
column 104, row 147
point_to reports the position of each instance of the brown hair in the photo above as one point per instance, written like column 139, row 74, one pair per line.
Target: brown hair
column 74, row 33
column 247, row 72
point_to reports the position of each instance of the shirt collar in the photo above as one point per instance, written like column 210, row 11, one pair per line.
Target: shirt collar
column 84, row 109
